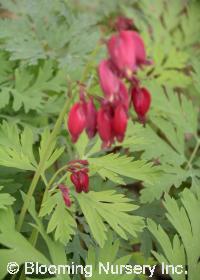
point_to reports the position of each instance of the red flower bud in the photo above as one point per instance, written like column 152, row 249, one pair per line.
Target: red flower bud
column 104, row 126
column 141, row 99
column 80, row 180
column 65, row 194
column 76, row 120
column 121, row 48
column 91, row 121
column 120, row 122
column 75, row 180
column 108, row 80
column 123, row 23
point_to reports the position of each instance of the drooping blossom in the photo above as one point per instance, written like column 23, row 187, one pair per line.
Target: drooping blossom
column 140, row 51
column 108, row 80
column 76, row 120
column 82, row 116
column 122, row 97
column 120, row 122
column 65, row 194
column 121, row 49
column 79, row 175
column 112, row 123
column 80, row 180
column 141, row 99
column 104, row 125
column 127, row 51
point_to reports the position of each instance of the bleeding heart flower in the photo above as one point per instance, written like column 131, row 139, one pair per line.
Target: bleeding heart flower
column 77, row 120
column 120, row 122
column 141, row 99
column 121, row 48
column 108, row 80
column 123, row 96
column 80, row 179
column 140, row 51
column 104, row 125
column 91, row 120
column 65, row 194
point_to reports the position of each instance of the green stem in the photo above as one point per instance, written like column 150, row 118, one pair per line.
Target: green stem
column 47, row 188
column 41, row 166
column 32, row 240
column 63, row 168
column 39, row 171
column 22, row 276
column 193, row 154
column 34, row 234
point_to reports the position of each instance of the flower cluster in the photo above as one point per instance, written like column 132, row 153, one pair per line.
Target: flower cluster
column 121, row 87
column 126, row 53
column 79, row 177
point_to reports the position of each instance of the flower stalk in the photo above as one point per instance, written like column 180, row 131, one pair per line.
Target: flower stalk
column 41, row 165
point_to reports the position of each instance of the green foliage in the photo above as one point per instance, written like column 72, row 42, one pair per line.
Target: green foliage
column 190, row 24
column 177, row 109
column 30, row 90
column 53, row 152
column 174, row 26
column 113, row 165
column 109, row 253
column 173, row 118
column 16, row 150
column 46, row 46
column 5, row 70
column 185, row 246
column 15, row 243
column 112, row 208
column 196, row 79
column 56, row 249
column 47, row 29
column 5, row 200
column 61, row 220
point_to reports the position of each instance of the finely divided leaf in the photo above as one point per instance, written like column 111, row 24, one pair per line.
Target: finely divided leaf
column 115, row 166
column 18, row 249
column 53, row 152
column 108, row 253
column 61, row 220
column 16, row 149
column 5, row 200
column 186, row 247
column 110, row 207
